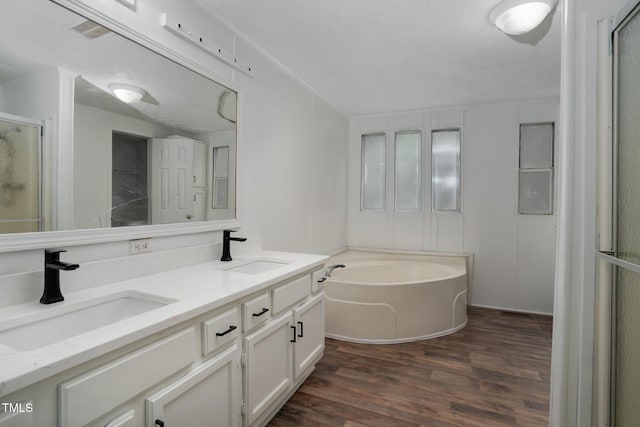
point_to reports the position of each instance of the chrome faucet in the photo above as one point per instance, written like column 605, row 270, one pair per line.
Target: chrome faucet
column 52, row 267
column 226, row 244
column 329, row 270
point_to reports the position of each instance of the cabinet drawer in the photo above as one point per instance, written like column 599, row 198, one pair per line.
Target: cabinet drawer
column 85, row 398
column 287, row 295
column 220, row 330
column 125, row 420
column 256, row 311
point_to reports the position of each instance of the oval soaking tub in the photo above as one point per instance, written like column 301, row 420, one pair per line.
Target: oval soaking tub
column 389, row 297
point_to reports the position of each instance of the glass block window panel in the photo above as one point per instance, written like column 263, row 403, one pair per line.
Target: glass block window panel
column 408, row 171
column 536, row 146
column 535, row 195
column 536, row 192
column 220, row 187
column 373, row 172
column 445, row 170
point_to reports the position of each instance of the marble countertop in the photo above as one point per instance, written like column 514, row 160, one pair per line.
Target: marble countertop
column 196, row 290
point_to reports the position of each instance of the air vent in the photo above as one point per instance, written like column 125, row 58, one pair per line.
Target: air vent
column 91, row 30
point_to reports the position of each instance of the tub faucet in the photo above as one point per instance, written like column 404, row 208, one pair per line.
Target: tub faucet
column 329, row 270
column 226, row 244
column 52, row 267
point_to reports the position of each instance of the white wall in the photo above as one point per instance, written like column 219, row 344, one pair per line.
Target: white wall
column 514, row 254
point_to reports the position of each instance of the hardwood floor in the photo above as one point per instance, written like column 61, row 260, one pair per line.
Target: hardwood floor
column 494, row 372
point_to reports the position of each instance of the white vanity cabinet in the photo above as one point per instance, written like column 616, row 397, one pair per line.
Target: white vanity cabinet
column 233, row 366
column 282, row 353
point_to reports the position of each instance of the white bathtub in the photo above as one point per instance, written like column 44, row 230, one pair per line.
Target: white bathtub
column 388, row 297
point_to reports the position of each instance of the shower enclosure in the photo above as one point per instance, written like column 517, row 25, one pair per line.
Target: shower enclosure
column 20, row 174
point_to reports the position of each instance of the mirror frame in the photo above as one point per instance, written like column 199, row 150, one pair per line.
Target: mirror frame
column 12, row 242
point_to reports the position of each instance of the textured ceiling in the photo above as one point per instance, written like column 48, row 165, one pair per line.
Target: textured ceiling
column 374, row 56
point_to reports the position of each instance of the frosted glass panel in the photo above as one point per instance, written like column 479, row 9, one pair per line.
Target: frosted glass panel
column 627, row 375
column 535, row 192
column 408, row 170
column 373, row 171
column 221, row 162
column 536, row 146
column 445, row 170
column 628, row 209
column 19, row 177
column 627, row 372
column 220, row 187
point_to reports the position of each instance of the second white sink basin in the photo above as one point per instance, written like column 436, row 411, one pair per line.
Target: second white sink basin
column 258, row 266
column 58, row 323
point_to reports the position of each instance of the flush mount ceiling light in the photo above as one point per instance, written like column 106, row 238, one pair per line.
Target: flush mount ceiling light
column 127, row 93
column 520, row 16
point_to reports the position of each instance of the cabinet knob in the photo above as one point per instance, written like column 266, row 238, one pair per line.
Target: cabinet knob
column 188, row 216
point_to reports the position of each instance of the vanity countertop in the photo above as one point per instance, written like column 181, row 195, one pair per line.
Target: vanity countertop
column 196, row 290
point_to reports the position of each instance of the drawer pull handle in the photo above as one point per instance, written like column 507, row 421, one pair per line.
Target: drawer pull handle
column 159, row 423
column 294, row 334
column 231, row 329
column 264, row 310
column 301, row 334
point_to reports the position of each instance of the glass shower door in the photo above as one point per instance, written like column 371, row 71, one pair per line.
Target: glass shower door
column 624, row 260
column 20, row 175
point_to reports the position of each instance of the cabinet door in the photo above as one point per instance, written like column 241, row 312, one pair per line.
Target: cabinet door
column 207, row 396
column 309, row 326
column 268, row 366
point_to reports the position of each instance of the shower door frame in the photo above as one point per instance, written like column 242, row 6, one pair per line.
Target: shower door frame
column 607, row 232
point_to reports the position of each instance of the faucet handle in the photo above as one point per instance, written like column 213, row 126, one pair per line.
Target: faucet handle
column 54, row 250
column 53, row 253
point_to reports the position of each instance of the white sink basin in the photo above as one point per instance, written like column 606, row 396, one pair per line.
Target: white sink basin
column 258, row 266
column 52, row 324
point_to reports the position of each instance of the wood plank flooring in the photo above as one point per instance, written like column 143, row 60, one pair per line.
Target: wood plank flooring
column 494, row 372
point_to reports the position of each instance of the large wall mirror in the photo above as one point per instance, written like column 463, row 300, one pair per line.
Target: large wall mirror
column 142, row 139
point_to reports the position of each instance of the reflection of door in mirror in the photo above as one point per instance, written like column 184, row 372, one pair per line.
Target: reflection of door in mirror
column 178, row 184
column 20, row 175
column 129, row 193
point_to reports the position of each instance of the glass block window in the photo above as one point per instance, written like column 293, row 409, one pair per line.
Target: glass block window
column 373, row 178
column 408, row 168
column 535, row 196
column 445, row 170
